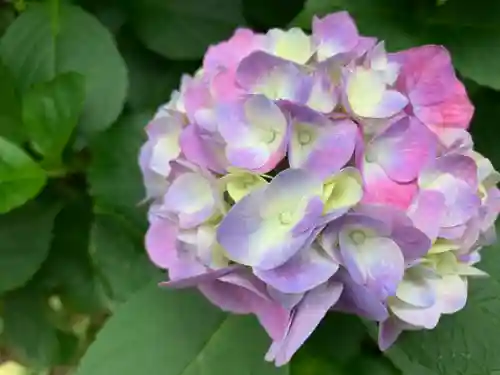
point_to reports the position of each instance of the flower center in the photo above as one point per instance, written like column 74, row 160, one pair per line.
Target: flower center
column 304, row 137
column 269, row 136
column 286, row 217
column 358, row 237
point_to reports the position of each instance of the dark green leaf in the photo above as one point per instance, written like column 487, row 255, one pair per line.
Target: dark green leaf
column 10, row 107
column 152, row 78
column 183, row 29
column 20, row 177
column 369, row 365
column 69, row 268
column 114, row 175
column 265, row 14
column 177, row 333
column 337, row 339
column 27, row 328
column 484, row 130
column 51, row 111
column 25, row 235
column 118, row 253
column 82, row 45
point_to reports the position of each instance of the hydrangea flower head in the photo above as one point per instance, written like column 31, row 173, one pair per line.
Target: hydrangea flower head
column 296, row 174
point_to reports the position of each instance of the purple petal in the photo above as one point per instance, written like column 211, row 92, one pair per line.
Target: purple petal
column 403, row 149
column 255, row 130
column 306, row 270
column 210, row 275
column 459, row 166
column 391, row 103
column 357, row 299
column 321, row 145
column 253, row 232
column 334, row 34
column 376, row 262
column 193, row 198
column 413, row 243
column 428, row 204
column 462, row 202
column 161, row 241
column 287, row 300
column 388, row 332
column 276, row 78
column 238, row 295
column 308, row 315
column 203, row 150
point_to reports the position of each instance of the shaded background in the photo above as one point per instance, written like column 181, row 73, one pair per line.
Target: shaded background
column 72, row 256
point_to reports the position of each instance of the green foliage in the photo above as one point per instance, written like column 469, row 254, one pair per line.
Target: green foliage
column 50, row 113
column 81, row 45
column 79, row 80
column 10, row 107
column 21, row 177
column 25, row 234
column 160, row 24
column 191, row 338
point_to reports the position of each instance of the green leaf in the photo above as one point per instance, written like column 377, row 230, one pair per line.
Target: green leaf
column 471, row 33
column 27, row 328
column 51, row 111
column 183, row 29
column 369, row 365
column 152, row 78
column 162, row 332
column 25, row 235
column 337, row 339
column 464, row 343
column 266, row 14
column 118, row 254
column 82, row 45
column 68, row 268
column 114, row 175
column 10, row 107
column 20, row 177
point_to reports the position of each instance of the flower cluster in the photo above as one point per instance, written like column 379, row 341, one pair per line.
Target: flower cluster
column 295, row 174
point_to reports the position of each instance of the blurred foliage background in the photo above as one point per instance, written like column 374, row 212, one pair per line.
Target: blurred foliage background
column 78, row 82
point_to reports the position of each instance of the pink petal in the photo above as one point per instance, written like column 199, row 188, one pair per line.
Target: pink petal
column 161, row 240
column 308, row 315
column 380, row 189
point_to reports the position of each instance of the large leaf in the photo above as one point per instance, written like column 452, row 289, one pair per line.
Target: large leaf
column 34, row 54
column 118, row 254
column 471, row 32
column 152, row 78
column 265, row 14
column 177, row 333
column 20, row 177
column 183, row 29
column 27, row 328
column 114, row 175
column 68, row 268
column 465, row 343
column 25, row 235
column 51, row 111
column 10, row 107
